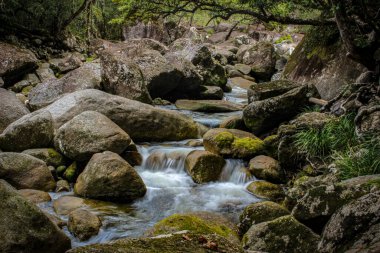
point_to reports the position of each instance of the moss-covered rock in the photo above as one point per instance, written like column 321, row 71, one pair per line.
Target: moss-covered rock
column 71, row 172
column 50, row 156
column 266, row 168
column 266, row 190
column 208, row 105
column 271, row 145
column 204, row 166
column 261, row 91
column 284, row 234
column 260, row 212
column 198, row 222
column 83, row 224
column 232, row 143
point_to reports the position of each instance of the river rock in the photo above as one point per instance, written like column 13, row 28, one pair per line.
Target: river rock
column 261, row 116
column 282, row 235
column 240, row 82
column 211, row 92
column 257, row 92
column 232, row 143
column 243, row 68
column 11, row 108
column 50, row 156
column 171, row 243
column 266, row 190
column 261, row 58
column 66, row 204
column 35, row 196
column 266, row 168
column 196, row 222
column 141, row 121
column 15, row 62
column 45, row 73
column 108, row 177
column 122, row 76
column 257, row 213
column 233, row 122
column 86, row 77
column 204, row 166
column 88, row 133
column 62, row 186
column 208, row 105
column 83, row 224
column 25, row 172
column 69, row 62
column 354, row 227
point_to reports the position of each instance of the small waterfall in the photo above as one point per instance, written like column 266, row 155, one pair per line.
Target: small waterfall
column 236, row 172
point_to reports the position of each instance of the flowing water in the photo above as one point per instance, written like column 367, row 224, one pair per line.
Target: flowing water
column 169, row 189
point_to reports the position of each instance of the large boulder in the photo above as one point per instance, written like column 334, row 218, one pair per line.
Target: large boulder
column 11, row 108
column 88, row 133
column 211, row 92
column 15, row 62
column 257, row 92
column 35, row 196
column 261, row 116
column 25, row 172
column 108, row 177
column 259, row 212
column 34, row 130
column 266, row 190
column 232, row 143
column 68, row 62
column 204, row 166
column 86, row 77
column 266, row 168
column 24, row 228
column 354, row 227
column 208, row 105
column 141, row 121
column 122, row 76
column 261, row 58
column 282, row 235
column 83, row 224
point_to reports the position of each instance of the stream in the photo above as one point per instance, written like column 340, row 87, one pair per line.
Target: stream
column 169, row 189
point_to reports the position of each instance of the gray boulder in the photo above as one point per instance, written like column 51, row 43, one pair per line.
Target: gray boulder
column 88, row 133
column 24, row 228
column 11, row 108
column 257, row 92
column 208, row 105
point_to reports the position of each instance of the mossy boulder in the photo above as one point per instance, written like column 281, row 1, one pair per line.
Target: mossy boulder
column 232, row 143
column 71, row 172
column 171, row 243
column 260, row 212
column 34, row 130
column 50, row 156
column 88, row 133
column 208, row 105
column 266, row 190
column 25, row 228
column 109, row 177
column 271, row 145
column 266, row 168
column 198, row 222
column 261, row 91
column 83, row 224
column 23, row 171
column 284, row 234
column 204, row 166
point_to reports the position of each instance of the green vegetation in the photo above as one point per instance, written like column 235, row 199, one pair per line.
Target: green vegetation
column 337, row 142
column 286, row 37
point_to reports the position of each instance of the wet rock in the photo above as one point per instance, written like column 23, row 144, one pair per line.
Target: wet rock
column 232, row 143
column 15, row 62
column 257, row 213
column 69, row 62
column 89, row 133
column 196, row 222
column 56, row 220
column 204, row 166
column 108, row 177
column 122, row 76
column 11, row 108
column 354, row 227
column 212, row 92
column 25, row 228
column 266, row 190
column 195, row 143
column 284, row 234
column 83, row 224
column 240, row 82
column 171, row 243
column 261, row 116
column 50, row 156
column 208, row 105
column 233, row 122
column 266, row 168
column 86, row 77
column 141, row 121
column 257, row 92
column 62, row 186
column 66, row 204
column 261, row 58
column 25, row 172
column 35, row 196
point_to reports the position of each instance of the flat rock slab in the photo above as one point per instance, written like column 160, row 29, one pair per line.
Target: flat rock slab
column 241, row 82
column 208, row 105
